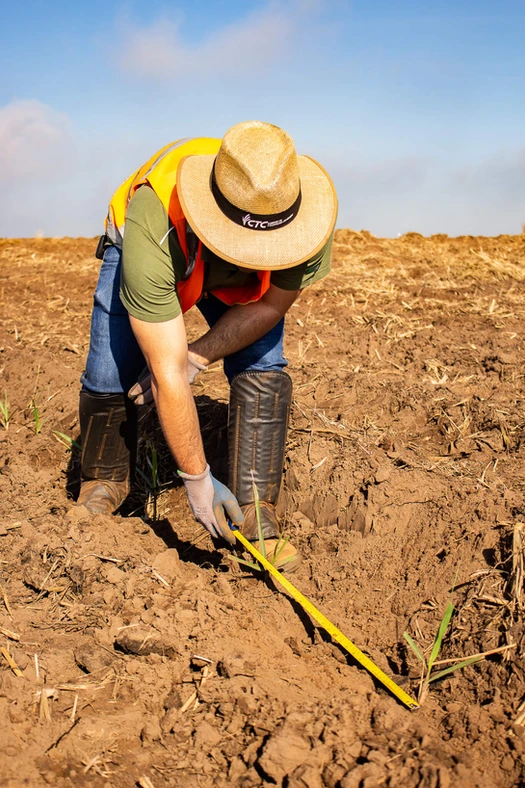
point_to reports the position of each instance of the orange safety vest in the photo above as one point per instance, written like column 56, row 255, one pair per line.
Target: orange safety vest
column 160, row 173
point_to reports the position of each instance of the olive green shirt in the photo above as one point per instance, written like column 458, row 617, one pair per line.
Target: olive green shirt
column 153, row 262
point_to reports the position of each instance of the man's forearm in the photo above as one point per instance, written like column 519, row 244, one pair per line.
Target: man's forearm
column 239, row 327
column 165, row 349
column 179, row 421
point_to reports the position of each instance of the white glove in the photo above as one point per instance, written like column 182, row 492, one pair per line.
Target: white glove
column 212, row 503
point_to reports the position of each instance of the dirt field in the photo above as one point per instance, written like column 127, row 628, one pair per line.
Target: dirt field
column 133, row 653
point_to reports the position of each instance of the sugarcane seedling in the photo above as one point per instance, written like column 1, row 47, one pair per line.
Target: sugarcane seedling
column 282, row 542
column 4, row 411
column 36, row 417
column 66, row 440
column 153, row 462
column 427, row 673
column 152, row 481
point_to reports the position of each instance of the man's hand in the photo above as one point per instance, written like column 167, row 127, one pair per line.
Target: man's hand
column 243, row 324
column 141, row 392
column 211, row 503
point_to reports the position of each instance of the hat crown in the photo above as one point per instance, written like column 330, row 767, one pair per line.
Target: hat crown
column 256, row 168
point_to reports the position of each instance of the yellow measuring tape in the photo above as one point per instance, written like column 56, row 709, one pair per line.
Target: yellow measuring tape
column 330, row 628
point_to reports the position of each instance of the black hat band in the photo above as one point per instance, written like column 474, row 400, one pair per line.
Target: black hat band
column 253, row 221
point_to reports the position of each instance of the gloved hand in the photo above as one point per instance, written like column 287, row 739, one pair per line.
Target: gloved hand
column 141, row 392
column 211, row 502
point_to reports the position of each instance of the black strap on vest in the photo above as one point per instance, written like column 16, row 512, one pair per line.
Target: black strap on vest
column 192, row 243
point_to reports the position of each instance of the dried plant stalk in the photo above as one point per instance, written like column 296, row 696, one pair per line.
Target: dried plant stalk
column 518, row 548
column 10, row 661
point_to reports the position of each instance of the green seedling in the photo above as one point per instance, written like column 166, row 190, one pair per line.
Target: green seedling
column 4, row 411
column 257, row 567
column 283, row 541
column 427, row 673
column 153, row 462
column 36, row 417
column 152, row 481
column 66, row 440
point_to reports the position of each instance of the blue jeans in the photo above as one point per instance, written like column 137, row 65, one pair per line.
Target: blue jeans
column 115, row 360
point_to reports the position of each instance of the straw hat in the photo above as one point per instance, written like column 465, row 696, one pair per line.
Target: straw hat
column 257, row 204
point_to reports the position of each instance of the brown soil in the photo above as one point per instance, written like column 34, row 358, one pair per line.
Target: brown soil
column 149, row 658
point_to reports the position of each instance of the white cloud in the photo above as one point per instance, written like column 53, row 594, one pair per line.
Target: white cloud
column 55, row 179
column 244, row 48
column 392, row 175
column 33, row 137
column 429, row 195
column 502, row 173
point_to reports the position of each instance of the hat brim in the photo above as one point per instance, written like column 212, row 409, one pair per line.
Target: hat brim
column 269, row 250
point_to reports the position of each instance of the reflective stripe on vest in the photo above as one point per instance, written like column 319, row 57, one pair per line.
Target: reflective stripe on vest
column 160, row 173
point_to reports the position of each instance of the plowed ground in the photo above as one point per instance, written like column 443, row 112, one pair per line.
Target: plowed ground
column 147, row 657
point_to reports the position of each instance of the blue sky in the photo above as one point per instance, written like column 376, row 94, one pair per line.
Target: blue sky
column 416, row 109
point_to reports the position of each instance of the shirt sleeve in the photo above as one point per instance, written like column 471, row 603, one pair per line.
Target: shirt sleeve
column 307, row 273
column 152, row 260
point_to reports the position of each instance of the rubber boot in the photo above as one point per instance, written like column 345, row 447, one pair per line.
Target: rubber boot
column 257, row 427
column 108, row 428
